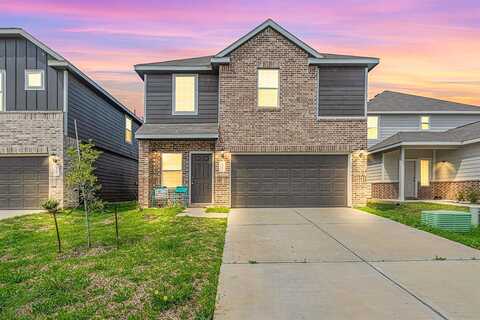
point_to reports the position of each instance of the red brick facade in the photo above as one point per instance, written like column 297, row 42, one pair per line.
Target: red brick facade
column 150, row 163
column 385, row 190
column 449, row 190
column 293, row 128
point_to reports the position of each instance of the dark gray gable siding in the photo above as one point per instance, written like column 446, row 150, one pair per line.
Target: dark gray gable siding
column 118, row 177
column 98, row 120
column 17, row 55
column 159, row 100
column 341, row 91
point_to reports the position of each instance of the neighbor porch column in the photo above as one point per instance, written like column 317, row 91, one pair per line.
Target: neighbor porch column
column 401, row 175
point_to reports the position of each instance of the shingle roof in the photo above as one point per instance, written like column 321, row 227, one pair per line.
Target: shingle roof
column 455, row 136
column 178, row 131
column 398, row 102
column 189, row 62
column 205, row 63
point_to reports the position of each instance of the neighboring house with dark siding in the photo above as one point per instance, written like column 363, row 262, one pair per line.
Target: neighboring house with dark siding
column 422, row 148
column 267, row 122
column 41, row 96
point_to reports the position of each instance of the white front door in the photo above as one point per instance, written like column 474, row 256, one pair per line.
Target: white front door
column 410, row 179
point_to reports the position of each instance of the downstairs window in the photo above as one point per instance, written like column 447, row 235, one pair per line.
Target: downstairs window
column 171, row 170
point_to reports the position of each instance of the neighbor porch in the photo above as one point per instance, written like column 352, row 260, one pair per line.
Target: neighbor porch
column 418, row 172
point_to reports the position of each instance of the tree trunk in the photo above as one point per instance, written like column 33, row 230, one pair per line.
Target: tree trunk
column 58, row 233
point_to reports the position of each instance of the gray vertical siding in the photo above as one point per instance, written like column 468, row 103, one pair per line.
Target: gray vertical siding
column 17, row 55
column 341, row 91
column 159, row 100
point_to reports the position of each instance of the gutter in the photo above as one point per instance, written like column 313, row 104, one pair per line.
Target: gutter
column 369, row 62
column 418, row 143
column 177, row 136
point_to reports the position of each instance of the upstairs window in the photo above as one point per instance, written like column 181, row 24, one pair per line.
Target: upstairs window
column 2, row 90
column 425, row 122
column 372, row 123
column 185, row 88
column 171, row 170
column 128, row 130
column 268, row 84
column 34, row 79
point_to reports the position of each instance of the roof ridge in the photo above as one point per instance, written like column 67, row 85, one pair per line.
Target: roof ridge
column 206, row 56
column 425, row 97
column 277, row 27
column 464, row 125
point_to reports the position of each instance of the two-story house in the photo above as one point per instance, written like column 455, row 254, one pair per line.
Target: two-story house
column 267, row 122
column 422, row 148
column 42, row 97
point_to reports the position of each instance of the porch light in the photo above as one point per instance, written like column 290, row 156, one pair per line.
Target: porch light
column 361, row 153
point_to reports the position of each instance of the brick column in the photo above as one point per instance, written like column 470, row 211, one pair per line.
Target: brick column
column 143, row 173
column 222, row 179
column 360, row 187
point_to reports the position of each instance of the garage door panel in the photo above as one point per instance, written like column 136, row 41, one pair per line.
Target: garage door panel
column 282, row 186
column 23, row 182
column 289, row 180
column 30, row 189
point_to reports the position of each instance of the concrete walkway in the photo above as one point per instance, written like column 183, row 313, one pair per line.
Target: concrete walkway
column 4, row 214
column 341, row 264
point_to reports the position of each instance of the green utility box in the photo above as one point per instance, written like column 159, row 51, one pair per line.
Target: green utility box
column 457, row 221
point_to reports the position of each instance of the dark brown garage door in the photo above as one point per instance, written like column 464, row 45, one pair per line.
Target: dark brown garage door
column 289, row 180
column 23, row 182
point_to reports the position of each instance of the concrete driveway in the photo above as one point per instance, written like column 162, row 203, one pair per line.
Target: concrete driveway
column 4, row 214
column 340, row 263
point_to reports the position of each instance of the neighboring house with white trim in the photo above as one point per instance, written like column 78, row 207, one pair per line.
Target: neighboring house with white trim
column 422, row 148
column 43, row 100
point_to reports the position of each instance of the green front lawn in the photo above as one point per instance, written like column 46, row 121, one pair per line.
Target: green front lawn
column 166, row 267
column 409, row 213
column 217, row 210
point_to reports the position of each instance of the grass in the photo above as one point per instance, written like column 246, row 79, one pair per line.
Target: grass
column 217, row 209
column 409, row 213
column 166, row 267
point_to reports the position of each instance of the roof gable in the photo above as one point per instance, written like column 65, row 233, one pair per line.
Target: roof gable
column 275, row 26
column 60, row 62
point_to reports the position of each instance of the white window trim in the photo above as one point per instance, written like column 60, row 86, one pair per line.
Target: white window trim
column 429, row 122
column 163, row 170
column 131, row 130
column 42, row 72
column 378, row 127
column 278, row 90
column 3, row 74
column 174, row 112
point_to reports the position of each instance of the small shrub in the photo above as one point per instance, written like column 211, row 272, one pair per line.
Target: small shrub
column 51, row 205
column 461, row 196
column 472, row 196
column 218, row 209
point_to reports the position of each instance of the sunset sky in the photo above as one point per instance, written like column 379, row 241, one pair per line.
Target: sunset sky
column 429, row 48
